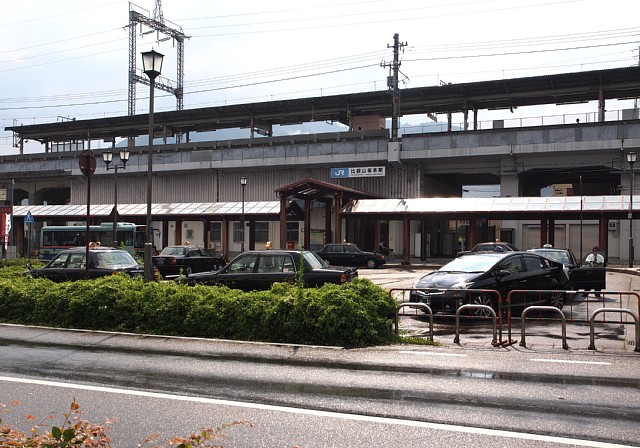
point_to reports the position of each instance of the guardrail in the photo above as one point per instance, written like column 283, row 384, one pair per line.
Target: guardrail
column 529, row 302
column 523, row 318
column 487, row 300
column 488, row 309
column 592, row 345
column 423, row 306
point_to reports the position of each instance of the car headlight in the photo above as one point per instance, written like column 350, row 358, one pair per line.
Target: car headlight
column 461, row 285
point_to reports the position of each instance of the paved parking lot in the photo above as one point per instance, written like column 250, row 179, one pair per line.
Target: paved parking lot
column 543, row 331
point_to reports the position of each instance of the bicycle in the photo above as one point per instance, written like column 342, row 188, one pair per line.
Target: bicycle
column 388, row 253
column 391, row 255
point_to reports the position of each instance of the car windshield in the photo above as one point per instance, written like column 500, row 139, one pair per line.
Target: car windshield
column 173, row 250
column 114, row 260
column 470, row 263
column 559, row 256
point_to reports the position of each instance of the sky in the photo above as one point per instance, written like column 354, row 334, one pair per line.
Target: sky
column 69, row 59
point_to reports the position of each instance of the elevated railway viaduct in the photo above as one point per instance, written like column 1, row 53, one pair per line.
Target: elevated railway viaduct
column 588, row 157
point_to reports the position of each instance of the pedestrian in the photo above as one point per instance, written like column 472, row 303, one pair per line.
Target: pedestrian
column 595, row 258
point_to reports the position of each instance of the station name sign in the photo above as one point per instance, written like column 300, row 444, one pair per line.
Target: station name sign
column 365, row 171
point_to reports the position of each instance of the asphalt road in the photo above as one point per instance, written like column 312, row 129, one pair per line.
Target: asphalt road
column 467, row 394
column 312, row 396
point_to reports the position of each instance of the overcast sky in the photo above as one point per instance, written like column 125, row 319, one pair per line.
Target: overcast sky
column 69, row 58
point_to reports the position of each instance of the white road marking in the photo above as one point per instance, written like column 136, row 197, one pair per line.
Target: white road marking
column 409, row 352
column 567, row 361
column 355, row 417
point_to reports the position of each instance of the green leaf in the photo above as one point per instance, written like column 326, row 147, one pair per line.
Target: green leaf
column 56, row 432
column 68, row 434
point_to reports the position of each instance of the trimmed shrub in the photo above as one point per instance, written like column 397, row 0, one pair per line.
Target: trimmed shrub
column 355, row 314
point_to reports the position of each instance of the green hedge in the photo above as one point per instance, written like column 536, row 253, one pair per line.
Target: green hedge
column 356, row 314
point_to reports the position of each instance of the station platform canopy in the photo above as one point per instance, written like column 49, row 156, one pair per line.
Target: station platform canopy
column 566, row 207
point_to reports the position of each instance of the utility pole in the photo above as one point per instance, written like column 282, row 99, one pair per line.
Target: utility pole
column 392, row 84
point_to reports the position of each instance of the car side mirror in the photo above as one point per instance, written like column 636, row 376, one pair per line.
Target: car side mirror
column 29, row 265
column 502, row 273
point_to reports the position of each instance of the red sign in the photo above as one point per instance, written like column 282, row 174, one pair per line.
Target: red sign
column 5, row 224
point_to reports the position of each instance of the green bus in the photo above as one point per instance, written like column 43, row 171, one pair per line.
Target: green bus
column 54, row 239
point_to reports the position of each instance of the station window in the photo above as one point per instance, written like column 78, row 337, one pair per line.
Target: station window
column 237, row 232
column 293, row 231
column 215, row 232
column 262, row 231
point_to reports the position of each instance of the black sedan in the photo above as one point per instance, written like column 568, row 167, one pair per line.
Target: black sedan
column 483, row 248
column 457, row 283
column 186, row 259
column 584, row 275
column 258, row 270
column 104, row 261
column 348, row 254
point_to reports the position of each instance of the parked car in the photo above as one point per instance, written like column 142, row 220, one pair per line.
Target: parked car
column 103, row 261
column 259, row 269
column 583, row 275
column 348, row 254
column 444, row 290
column 483, row 248
column 186, row 259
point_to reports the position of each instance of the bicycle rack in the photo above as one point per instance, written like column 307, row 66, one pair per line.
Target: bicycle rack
column 423, row 306
column 487, row 308
column 523, row 316
column 592, row 345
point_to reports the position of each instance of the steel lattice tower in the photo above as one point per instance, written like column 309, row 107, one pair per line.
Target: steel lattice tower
column 164, row 32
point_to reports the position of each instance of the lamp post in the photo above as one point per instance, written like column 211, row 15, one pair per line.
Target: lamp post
column 152, row 67
column 243, row 182
column 631, row 158
column 107, row 157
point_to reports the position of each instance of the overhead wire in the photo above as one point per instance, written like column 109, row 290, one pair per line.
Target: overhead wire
column 289, row 73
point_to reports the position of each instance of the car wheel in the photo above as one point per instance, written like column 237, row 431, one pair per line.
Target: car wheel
column 371, row 263
column 556, row 299
column 482, row 299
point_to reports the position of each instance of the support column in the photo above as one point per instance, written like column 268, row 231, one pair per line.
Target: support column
column 225, row 238
column 472, row 234
column 307, row 224
column 179, row 231
column 338, row 218
column 601, row 109
column 165, row 234
column 252, row 234
column 603, row 234
column 327, row 222
column 544, row 232
column 406, row 241
column 283, row 221
column 552, row 232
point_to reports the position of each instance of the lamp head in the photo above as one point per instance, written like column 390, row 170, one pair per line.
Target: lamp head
column 107, row 157
column 631, row 158
column 152, row 63
column 243, row 181
column 124, row 156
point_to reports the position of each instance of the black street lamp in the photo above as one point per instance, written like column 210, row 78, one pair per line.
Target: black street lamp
column 631, row 158
column 107, row 157
column 152, row 67
column 243, row 182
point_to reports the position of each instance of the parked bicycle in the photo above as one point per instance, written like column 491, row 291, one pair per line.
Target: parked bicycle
column 386, row 251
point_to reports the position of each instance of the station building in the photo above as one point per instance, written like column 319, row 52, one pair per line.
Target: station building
column 358, row 184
